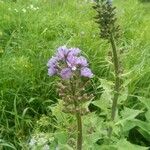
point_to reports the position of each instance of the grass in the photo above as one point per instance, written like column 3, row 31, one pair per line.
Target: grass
column 28, row 39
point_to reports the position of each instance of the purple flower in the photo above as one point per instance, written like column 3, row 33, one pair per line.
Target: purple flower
column 82, row 61
column 72, row 61
column 62, row 52
column 52, row 62
column 86, row 72
column 51, row 71
column 66, row 62
column 74, row 51
column 66, row 73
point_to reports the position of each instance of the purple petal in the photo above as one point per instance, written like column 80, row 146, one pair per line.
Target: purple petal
column 82, row 61
column 66, row 73
column 52, row 62
column 51, row 71
column 74, row 51
column 86, row 72
column 62, row 52
column 72, row 61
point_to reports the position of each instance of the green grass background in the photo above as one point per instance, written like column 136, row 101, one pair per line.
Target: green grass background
column 28, row 39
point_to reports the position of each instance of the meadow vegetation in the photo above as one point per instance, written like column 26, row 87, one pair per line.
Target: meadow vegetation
column 30, row 32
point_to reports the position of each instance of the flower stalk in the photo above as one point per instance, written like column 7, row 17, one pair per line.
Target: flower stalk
column 110, row 31
column 117, row 82
column 78, row 117
column 79, row 130
column 74, row 71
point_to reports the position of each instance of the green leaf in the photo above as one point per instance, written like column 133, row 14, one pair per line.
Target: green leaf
column 128, row 114
column 144, row 128
column 61, row 136
column 62, row 118
column 106, row 98
column 147, row 115
column 92, row 129
column 65, row 147
column 146, row 102
column 125, row 145
column 5, row 144
column 126, row 121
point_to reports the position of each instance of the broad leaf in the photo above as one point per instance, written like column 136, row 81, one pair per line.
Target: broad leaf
column 106, row 98
column 146, row 102
column 125, row 145
column 128, row 114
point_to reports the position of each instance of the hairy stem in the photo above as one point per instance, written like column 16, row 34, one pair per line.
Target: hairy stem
column 79, row 129
column 78, row 117
column 117, row 82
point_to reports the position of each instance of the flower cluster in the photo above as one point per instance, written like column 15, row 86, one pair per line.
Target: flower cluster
column 106, row 19
column 39, row 141
column 68, row 62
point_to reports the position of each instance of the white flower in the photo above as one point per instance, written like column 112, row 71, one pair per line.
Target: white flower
column 42, row 141
column 82, row 32
column 57, row 148
column 46, row 147
column 32, row 142
column 16, row 10
column 31, row 6
column 34, row 8
column 24, row 10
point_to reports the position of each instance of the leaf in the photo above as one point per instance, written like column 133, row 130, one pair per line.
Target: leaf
column 126, row 121
column 4, row 144
column 125, row 145
column 93, row 129
column 61, row 136
column 62, row 118
column 127, row 126
column 65, row 147
column 124, row 95
column 128, row 114
column 31, row 99
column 106, row 97
column 147, row 115
column 146, row 102
column 144, row 128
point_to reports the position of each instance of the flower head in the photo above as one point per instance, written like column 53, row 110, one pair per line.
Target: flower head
column 62, row 52
column 51, row 71
column 32, row 142
column 82, row 61
column 74, row 51
column 72, row 61
column 52, row 62
column 68, row 62
column 86, row 72
column 66, row 73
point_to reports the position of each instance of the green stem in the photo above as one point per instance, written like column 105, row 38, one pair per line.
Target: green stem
column 117, row 82
column 78, row 117
column 79, row 129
